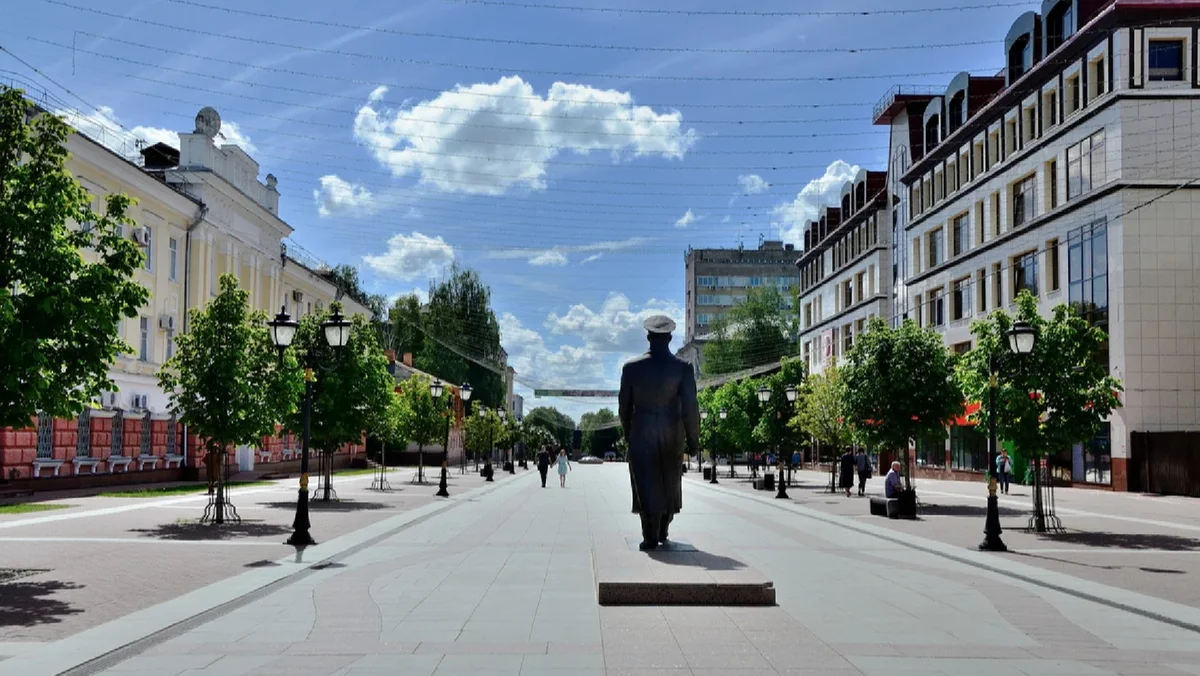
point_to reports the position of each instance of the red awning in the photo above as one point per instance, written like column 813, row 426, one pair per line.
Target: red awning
column 964, row 419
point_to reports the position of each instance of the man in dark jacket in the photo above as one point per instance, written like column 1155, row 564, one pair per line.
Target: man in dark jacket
column 659, row 415
column 543, row 464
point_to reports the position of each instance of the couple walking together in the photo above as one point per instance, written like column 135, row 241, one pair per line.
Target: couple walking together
column 543, row 465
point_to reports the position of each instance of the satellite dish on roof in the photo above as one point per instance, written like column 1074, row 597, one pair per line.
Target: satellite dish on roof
column 208, row 122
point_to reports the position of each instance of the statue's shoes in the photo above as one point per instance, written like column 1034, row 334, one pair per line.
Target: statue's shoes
column 646, row 546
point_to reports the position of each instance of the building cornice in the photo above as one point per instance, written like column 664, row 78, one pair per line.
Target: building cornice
column 877, row 202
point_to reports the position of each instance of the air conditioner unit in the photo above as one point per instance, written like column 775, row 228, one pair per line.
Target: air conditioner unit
column 298, row 296
column 108, row 399
column 140, row 235
column 167, row 322
column 139, row 402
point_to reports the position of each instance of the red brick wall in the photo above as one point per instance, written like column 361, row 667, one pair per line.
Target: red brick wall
column 18, row 447
column 101, row 440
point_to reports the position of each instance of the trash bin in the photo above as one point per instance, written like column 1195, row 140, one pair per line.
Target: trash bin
column 768, row 481
column 708, row 474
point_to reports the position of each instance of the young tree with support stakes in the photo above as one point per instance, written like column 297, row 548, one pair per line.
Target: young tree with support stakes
column 900, row 386
column 424, row 421
column 227, row 384
column 352, row 387
column 1054, row 397
column 59, row 314
column 389, row 430
column 822, row 412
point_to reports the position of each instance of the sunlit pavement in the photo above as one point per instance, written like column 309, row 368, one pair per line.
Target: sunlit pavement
column 499, row 581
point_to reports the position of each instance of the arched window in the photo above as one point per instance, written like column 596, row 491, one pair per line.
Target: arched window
column 846, row 206
column 1020, row 58
column 1060, row 24
column 932, row 127
column 958, row 111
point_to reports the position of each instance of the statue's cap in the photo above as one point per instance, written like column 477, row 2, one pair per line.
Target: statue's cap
column 660, row 324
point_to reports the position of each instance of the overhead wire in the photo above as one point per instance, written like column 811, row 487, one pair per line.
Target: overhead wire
column 739, row 13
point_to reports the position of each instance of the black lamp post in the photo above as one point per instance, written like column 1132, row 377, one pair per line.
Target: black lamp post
column 487, row 461
column 465, row 393
column 1021, row 339
column 283, row 331
column 722, row 414
column 792, row 393
column 764, row 396
column 700, row 466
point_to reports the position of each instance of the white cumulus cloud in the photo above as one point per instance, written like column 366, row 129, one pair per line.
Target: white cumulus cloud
column 339, row 197
column 566, row 365
column 487, row 138
column 553, row 257
column 410, row 257
column 789, row 217
column 616, row 326
column 753, row 184
column 686, row 219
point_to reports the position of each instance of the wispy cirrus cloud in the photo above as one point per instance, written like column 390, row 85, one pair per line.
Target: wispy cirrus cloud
column 560, row 255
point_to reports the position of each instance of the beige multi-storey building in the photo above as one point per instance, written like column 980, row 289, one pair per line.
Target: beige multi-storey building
column 718, row 279
column 200, row 212
column 1072, row 174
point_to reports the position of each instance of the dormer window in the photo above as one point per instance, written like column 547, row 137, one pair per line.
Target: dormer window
column 957, row 112
column 932, row 127
column 1020, row 58
column 1060, row 25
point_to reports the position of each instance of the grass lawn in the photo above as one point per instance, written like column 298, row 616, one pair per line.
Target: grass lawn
column 30, row 507
column 167, row 491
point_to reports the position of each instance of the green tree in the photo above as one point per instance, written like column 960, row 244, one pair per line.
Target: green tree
column 389, row 429
column 822, row 412
column 424, row 421
column 900, row 386
column 755, row 332
column 773, row 430
column 352, row 387
column 485, row 432
column 226, row 381
column 729, row 437
column 59, row 315
column 458, row 322
column 536, row 437
column 404, row 329
column 601, row 431
column 560, row 425
column 1058, row 395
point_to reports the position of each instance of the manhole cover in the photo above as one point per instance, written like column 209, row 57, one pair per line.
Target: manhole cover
column 11, row 574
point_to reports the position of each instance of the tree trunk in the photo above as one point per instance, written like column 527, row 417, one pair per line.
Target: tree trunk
column 420, row 463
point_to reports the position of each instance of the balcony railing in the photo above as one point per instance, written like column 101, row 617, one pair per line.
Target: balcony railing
column 893, row 94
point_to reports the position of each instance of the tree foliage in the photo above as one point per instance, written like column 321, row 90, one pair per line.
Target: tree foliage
column 773, row 429
column 485, row 432
column 345, row 279
column 600, row 434
column 900, row 386
column 560, row 425
column 756, row 331
column 59, row 315
column 352, row 387
column 403, row 331
column 424, row 420
column 226, row 381
column 731, row 435
column 823, row 412
column 1051, row 399
column 457, row 321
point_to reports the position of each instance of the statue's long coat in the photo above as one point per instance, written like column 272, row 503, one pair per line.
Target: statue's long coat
column 660, row 416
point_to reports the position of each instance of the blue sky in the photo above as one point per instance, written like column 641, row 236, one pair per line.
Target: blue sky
column 572, row 178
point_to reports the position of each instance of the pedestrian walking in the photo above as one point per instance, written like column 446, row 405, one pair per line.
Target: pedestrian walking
column 1003, row 470
column 543, row 463
column 846, row 475
column 563, row 465
column 863, row 463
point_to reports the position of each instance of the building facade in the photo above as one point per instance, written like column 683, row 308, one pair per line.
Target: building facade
column 1071, row 174
column 201, row 212
column 718, row 279
column 845, row 270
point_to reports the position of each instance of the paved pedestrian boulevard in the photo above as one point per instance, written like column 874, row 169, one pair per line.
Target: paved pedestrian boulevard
column 501, row 581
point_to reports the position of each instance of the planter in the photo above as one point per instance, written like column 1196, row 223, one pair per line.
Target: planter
column 906, row 507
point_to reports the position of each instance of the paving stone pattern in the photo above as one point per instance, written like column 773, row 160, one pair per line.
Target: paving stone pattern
column 501, row 582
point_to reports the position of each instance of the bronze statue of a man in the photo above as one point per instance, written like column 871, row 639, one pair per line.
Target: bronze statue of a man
column 659, row 415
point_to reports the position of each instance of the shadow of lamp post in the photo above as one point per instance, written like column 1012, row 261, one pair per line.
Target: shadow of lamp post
column 337, row 333
column 1021, row 340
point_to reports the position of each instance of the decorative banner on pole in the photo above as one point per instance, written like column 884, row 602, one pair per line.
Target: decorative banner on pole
column 576, row 393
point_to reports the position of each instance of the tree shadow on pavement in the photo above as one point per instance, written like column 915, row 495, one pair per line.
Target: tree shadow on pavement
column 966, row 510
column 29, row 604
column 331, row 506
column 1174, row 543
column 194, row 530
column 697, row 560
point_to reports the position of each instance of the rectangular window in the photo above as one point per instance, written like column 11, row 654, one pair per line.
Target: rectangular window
column 808, row 315
column 1025, row 273
column 960, row 301
column 996, row 224
column 859, row 286
column 847, row 339
column 980, row 232
column 170, row 343
column 981, row 292
column 961, row 348
column 144, row 339
column 173, row 259
column 1024, row 193
column 149, row 263
column 997, row 286
column 1086, row 165
column 1087, row 274
column 1010, row 138
column 847, row 295
column 968, row 449
column 1072, row 96
column 1098, row 78
column 937, row 308
column 1052, row 265
column 1050, row 109
column 931, row 453
column 1051, row 184
column 1166, row 60
column 937, row 241
column 1029, row 122
column 961, row 240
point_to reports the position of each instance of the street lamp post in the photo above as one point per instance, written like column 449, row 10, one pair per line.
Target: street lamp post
column 1021, row 339
column 700, row 466
column 792, row 393
column 764, row 396
column 722, row 414
column 283, row 331
column 487, row 460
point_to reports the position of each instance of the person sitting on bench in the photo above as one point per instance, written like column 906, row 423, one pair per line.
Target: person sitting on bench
column 892, row 485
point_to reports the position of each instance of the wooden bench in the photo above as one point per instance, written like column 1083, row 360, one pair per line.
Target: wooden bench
column 889, row 507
